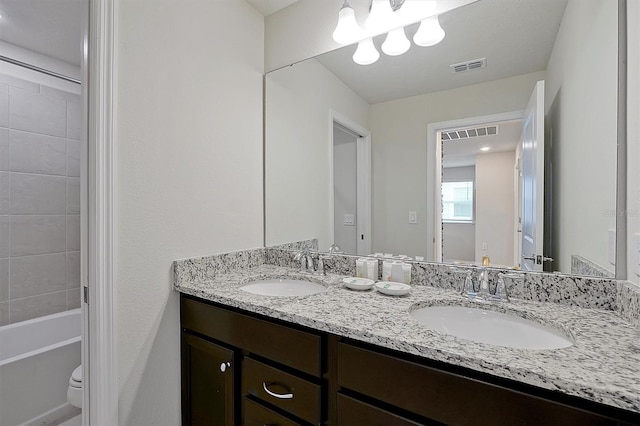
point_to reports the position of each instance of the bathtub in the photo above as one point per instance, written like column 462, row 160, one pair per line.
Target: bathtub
column 37, row 358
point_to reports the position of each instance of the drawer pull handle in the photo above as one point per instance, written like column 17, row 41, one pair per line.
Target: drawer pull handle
column 265, row 386
column 224, row 366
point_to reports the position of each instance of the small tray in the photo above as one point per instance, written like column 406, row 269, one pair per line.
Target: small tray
column 355, row 283
column 393, row 288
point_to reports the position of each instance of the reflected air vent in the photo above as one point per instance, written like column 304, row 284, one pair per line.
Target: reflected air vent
column 451, row 135
column 469, row 65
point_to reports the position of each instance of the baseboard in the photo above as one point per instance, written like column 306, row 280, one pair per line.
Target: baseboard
column 57, row 415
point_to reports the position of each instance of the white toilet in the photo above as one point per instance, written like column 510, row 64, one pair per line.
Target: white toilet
column 74, row 392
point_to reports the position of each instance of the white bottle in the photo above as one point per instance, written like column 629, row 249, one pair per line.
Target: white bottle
column 386, row 270
column 406, row 270
column 361, row 267
column 397, row 271
column 372, row 269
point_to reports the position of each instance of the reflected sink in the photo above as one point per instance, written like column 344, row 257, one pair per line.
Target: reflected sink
column 283, row 287
column 493, row 328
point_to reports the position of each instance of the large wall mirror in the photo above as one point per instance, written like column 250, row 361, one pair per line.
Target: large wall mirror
column 412, row 155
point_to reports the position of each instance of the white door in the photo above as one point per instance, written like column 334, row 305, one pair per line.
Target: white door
column 532, row 140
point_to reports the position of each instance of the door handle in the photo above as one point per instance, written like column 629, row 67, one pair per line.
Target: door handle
column 224, row 366
column 266, row 385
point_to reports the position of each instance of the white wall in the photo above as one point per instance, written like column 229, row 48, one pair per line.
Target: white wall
column 581, row 96
column 399, row 153
column 495, row 194
column 298, row 154
column 459, row 239
column 189, row 174
column 345, row 189
column 633, row 139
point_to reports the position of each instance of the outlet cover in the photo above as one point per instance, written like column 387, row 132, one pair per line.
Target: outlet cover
column 349, row 220
column 612, row 246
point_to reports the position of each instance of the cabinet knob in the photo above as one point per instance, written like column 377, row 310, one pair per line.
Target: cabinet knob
column 224, row 366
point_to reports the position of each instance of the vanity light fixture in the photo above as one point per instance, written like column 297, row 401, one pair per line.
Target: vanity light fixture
column 391, row 17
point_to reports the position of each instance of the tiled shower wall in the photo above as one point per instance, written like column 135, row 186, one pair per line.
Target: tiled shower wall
column 39, row 200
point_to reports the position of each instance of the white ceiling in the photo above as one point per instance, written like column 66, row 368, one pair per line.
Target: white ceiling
column 48, row 27
column 267, row 7
column 516, row 37
column 462, row 153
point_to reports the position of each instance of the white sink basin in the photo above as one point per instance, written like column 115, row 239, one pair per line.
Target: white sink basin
column 494, row 328
column 283, row 287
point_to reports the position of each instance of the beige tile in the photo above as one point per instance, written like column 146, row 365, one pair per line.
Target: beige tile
column 73, row 195
column 4, row 280
column 4, row 149
column 33, row 112
column 74, row 120
column 73, row 298
column 38, row 234
column 35, row 153
column 37, row 306
column 4, row 313
column 73, row 158
column 5, row 192
column 73, row 232
column 73, row 269
column 4, row 236
column 38, row 194
column 35, row 275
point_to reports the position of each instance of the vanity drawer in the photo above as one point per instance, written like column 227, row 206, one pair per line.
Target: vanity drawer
column 258, row 415
column 303, row 398
column 354, row 412
column 443, row 396
column 294, row 348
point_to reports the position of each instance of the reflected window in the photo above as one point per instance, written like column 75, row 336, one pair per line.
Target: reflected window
column 457, row 201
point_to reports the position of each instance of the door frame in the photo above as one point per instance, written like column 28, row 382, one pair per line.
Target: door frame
column 99, row 351
column 434, row 162
column 363, row 173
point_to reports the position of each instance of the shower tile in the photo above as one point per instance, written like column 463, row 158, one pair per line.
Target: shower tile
column 4, row 313
column 4, row 107
column 4, row 236
column 74, row 120
column 73, row 158
column 73, row 232
column 35, row 275
column 37, row 306
column 5, row 192
column 59, row 94
column 73, row 195
column 36, row 113
column 73, row 269
column 8, row 80
column 4, row 280
column 34, row 153
column 4, row 149
column 38, row 234
column 38, row 194
column 73, row 298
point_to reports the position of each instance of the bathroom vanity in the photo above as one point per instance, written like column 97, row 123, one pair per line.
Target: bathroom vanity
column 344, row 357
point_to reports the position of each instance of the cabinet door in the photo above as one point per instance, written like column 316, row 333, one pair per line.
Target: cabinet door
column 207, row 383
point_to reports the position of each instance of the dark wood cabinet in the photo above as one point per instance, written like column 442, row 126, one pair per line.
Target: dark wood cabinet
column 208, row 383
column 277, row 373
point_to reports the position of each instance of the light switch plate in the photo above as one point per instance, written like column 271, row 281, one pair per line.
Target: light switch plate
column 349, row 220
column 413, row 217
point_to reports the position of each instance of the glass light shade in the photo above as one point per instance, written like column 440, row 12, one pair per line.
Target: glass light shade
column 396, row 43
column 366, row 53
column 429, row 33
column 380, row 17
column 347, row 30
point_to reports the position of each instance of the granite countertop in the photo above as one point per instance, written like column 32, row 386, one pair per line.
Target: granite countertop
column 603, row 365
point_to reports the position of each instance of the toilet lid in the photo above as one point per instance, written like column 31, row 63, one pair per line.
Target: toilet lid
column 76, row 376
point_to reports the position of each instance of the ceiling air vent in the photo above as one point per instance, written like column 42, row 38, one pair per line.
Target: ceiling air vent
column 469, row 65
column 450, row 135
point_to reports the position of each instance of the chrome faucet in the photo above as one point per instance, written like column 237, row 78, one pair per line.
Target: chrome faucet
column 307, row 264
